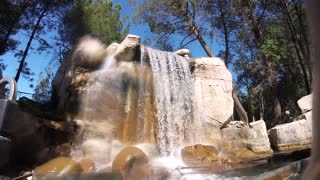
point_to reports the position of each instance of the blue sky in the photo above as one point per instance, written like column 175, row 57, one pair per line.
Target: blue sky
column 38, row 62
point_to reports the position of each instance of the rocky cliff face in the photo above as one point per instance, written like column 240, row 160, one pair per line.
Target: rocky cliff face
column 212, row 82
column 106, row 101
column 212, row 92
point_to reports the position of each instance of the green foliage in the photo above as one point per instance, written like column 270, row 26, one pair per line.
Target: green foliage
column 103, row 19
column 269, row 54
column 96, row 17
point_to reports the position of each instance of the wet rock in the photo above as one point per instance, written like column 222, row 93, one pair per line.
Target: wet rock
column 199, row 152
column 290, row 137
column 138, row 169
column 151, row 150
column 161, row 173
column 97, row 150
column 88, row 166
column 228, row 157
column 239, row 156
column 212, row 92
column 101, row 176
column 305, row 103
column 128, row 160
column 58, row 167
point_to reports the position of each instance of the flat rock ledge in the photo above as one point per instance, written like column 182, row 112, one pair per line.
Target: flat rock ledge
column 291, row 137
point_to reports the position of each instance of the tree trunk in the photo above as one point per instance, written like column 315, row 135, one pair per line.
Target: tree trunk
column 226, row 35
column 25, row 53
column 196, row 32
column 1, row 86
column 239, row 109
column 299, row 47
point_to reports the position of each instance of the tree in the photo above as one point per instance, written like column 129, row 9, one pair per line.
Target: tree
column 96, row 17
column 168, row 18
column 37, row 12
column 10, row 16
column 267, row 55
column 42, row 91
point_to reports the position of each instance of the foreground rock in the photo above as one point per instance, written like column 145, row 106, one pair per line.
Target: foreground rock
column 131, row 162
column 238, row 144
column 292, row 136
column 61, row 166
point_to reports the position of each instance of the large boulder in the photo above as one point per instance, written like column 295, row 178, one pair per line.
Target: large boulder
column 199, row 152
column 305, row 103
column 292, row 136
column 212, row 92
column 253, row 137
column 131, row 162
column 128, row 49
column 77, row 68
column 60, row 166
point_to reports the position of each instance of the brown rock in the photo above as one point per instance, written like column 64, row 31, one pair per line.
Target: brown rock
column 228, row 157
column 127, row 159
column 87, row 166
column 105, row 170
column 199, row 152
column 57, row 167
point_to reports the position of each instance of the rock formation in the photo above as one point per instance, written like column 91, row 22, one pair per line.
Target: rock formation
column 118, row 101
column 213, row 100
column 305, row 103
column 294, row 136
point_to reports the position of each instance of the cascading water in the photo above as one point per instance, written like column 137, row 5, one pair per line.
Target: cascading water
column 173, row 93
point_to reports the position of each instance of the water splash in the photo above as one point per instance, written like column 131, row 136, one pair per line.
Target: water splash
column 173, row 93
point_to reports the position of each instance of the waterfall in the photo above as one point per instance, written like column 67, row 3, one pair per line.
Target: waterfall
column 173, row 99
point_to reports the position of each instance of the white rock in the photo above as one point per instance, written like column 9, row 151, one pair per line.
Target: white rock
column 254, row 137
column 292, row 135
column 212, row 91
column 308, row 116
column 183, row 52
column 127, row 50
column 305, row 103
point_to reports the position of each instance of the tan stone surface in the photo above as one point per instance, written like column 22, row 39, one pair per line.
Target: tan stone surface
column 291, row 136
column 253, row 137
column 126, row 156
column 60, row 166
column 212, row 92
